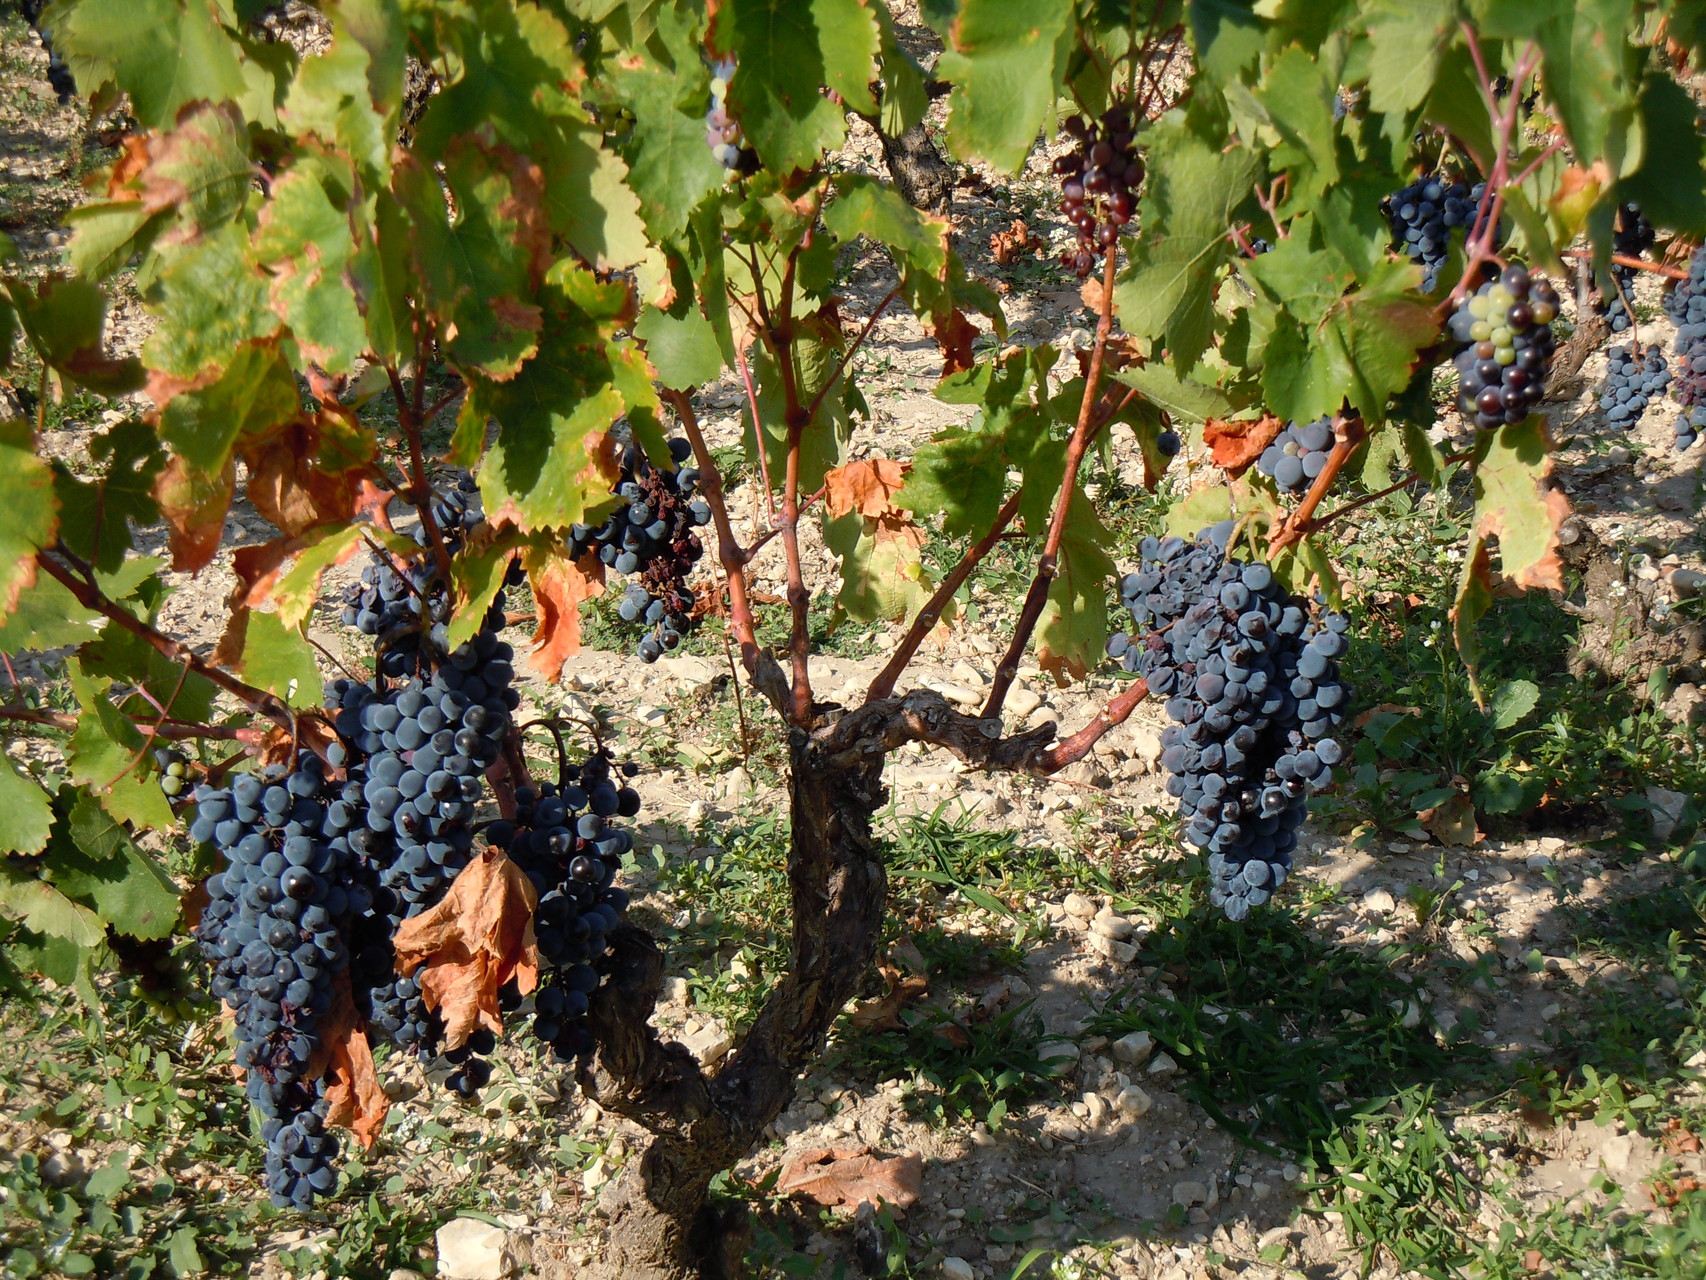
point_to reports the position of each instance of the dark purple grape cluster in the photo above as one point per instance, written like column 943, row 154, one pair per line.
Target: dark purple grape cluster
column 722, row 131
column 1688, row 427
column 650, row 539
column 1099, row 184
column 1507, row 326
column 59, row 76
column 1687, row 306
column 1631, row 236
column 566, row 839
column 1297, row 455
column 1632, row 381
column 1254, row 695
column 275, row 931
column 1423, row 216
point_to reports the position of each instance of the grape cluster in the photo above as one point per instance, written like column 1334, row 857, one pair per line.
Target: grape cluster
column 1297, row 455
column 1506, row 325
column 564, row 839
column 1631, row 237
column 274, row 930
column 650, row 540
column 722, row 131
column 1688, row 427
column 1687, row 306
column 174, row 768
column 1632, row 381
column 1099, row 182
column 1253, row 692
column 1423, row 216
column 59, row 76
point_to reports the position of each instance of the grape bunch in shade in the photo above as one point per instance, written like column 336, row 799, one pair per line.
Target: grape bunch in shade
column 1251, row 680
column 1423, row 216
column 1297, row 455
column 1686, row 304
column 1633, row 380
column 174, row 768
column 722, row 131
column 1507, row 328
column 650, row 540
column 1631, row 237
column 1099, row 183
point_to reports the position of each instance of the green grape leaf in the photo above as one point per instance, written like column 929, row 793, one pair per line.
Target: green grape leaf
column 278, row 659
column 683, row 349
column 1005, row 59
column 1406, row 39
column 383, row 282
column 109, row 754
column 295, row 592
column 1589, row 69
column 96, row 513
column 1167, row 292
column 93, row 860
column 47, row 617
column 43, row 909
column 823, row 440
column 1669, row 185
column 669, row 166
column 29, row 512
column 883, row 578
column 905, row 99
column 199, row 171
column 550, row 460
column 1298, row 94
column 786, row 52
column 165, row 54
column 64, row 321
column 302, row 240
column 1072, row 632
column 26, row 815
column 1516, row 502
column 476, row 576
column 1184, row 399
column 333, row 97
column 208, row 301
column 255, row 393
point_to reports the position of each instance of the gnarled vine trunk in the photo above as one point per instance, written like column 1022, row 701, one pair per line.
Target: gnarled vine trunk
column 661, row 1226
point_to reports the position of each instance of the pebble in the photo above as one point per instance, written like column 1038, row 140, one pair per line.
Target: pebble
column 1134, row 1049
column 1022, row 701
column 1188, row 1194
column 1163, row 1065
column 1121, row 953
column 955, row 693
column 469, row 1249
column 968, row 675
column 1108, row 925
column 1133, row 1102
column 958, row 1269
column 709, row 1043
column 1077, row 904
column 1379, row 901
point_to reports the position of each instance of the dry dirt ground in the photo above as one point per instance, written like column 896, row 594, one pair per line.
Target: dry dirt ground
column 1114, row 1167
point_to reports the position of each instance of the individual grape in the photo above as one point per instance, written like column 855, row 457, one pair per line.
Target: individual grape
column 1297, row 455
column 1167, row 444
column 1253, row 692
column 1425, row 214
column 1632, row 381
column 1099, row 184
column 723, row 133
column 1506, row 327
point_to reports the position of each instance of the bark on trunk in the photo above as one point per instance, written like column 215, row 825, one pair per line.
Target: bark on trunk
column 661, row 1225
column 923, row 178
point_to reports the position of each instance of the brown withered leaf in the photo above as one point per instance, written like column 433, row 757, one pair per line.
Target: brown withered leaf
column 1018, row 241
column 313, row 733
column 883, row 1013
column 559, row 586
column 193, row 505
column 311, row 471
column 1452, row 822
column 344, row 1060
column 1235, row 445
column 954, row 334
column 476, row 939
column 854, row 1175
column 867, row 486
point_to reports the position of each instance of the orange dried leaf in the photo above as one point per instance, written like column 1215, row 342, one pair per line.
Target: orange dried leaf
column 1235, row 445
column 867, row 486
column 344, row 1060
column 311, row 472
column 193, row 505
column 852, row 1175
column 955, row 335
column 1016, row 242
column 883, row 1013
column 476, row 939
column 559, row 586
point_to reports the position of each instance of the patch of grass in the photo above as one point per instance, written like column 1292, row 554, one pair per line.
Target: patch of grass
column 1582, row 1240
column 1280, row 1036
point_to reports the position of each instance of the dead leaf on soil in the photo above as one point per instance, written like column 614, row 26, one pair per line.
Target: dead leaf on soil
column 1235, row 445
column 853, row 1175
column 476, row 939
column 1018, row 241
column 1452, row 822
column 883, row 1013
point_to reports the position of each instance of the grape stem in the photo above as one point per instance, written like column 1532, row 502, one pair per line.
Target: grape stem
column 90, row 597
column 1350, row 433
column 170, row 730
column 1048, row 562
column 1638, row 264
column 419, row 491
column 762, row 669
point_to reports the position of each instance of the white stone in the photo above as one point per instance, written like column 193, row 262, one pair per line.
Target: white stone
column 968, row 675
column 709, row 1043
column 1163, row 1065
column 957, row 1269
column 1121, row 953
column 1108, row 925
column 687, row 671
column 956, row 693
column 737, row 785
column 1551, row 1011
column 1022, row 701
column 1379, row 901
column 469, row 1249
column 647, row 714
column 1667, row 810
column 1060, row 1055
column 1539, row 861
column 1134, row 1049
column 1145, row 743
column 1188, row 1194
column 1096, row 1108
column 1133, row 1102
column 986, row 803
column 1077, row 904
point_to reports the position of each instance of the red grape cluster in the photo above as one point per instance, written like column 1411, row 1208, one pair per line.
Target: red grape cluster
column 1099, row 185
column 1506, row 329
